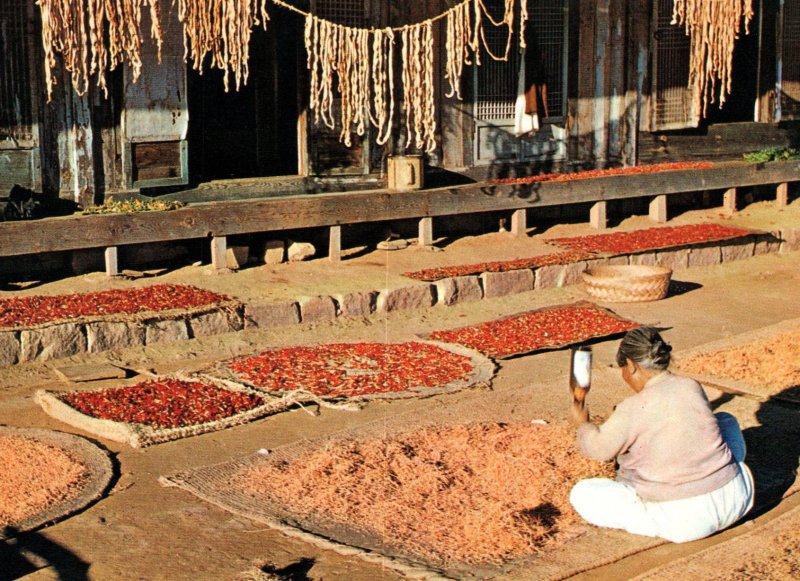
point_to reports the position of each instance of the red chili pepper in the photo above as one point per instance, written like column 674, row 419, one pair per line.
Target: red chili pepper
column 353, row 369
column 35, row 310
column 543, row 329
column 167, row 403
column 433, row 274
column 602, row 173
column 650, row 238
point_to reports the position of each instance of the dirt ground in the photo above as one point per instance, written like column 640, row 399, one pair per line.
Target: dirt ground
column 144, row 531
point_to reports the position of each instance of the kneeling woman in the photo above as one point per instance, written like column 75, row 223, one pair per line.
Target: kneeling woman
column 681, row 471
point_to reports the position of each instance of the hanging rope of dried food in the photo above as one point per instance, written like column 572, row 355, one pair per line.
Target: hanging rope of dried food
column 713, row 28
column 94, row 37
column 221, row 29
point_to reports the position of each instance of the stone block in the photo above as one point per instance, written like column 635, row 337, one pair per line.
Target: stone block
column 548, row 276
column 674, row 259
column 236, row 257
column 767, row 243
column 738, row 249
column 790, row 240
column 9, row 347
column 215, row 323
column 357, row 304
column 110, row 335
column 618, row 260
column 572, row 273
column 704, row 256
column 299, row 251
column 53, row 342
column 274, row 252
column 644, row 259
column 500, row 284
column 316, row 309
column 405, row 298
column 459, row 289
column 158, row 331
column 272, row 314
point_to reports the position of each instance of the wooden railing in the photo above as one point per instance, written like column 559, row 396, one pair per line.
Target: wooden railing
column 218, row 220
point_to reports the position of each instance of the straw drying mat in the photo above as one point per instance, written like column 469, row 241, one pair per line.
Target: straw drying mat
column 140, row 435
column 768, row 551
column 98, row 475
column 763, row 364
column 357, row 372
column 577, row 547
column 542, row 329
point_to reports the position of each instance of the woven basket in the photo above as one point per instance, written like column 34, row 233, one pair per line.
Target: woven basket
column 627, row 284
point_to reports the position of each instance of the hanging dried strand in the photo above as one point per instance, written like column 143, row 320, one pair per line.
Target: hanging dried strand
column 94, row 37
column 713, row 28
column 418, row 91
column 221, row 30
column 523, row 22
column 507, row 21
column 459, row 46
column 382, row 112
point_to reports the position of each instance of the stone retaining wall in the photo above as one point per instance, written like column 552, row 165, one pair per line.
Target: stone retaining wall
column 462, row 289
column 65, row 339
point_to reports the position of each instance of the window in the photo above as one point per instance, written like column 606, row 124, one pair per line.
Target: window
column 497, row 85
column 790, row 61
column 671, row 98
column 16, row 111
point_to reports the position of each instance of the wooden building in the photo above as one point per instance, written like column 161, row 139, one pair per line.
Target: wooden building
column 616, row 73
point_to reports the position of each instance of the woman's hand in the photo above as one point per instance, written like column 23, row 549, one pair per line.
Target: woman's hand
column 578, row 413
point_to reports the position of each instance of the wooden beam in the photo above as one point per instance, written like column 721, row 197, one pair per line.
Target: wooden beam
column 112, row 261
column 219, row 246
column 277, row 214
column 782, row 195
column 658, row 209
column 335, row 244
column 729, row 201
column 425, row 232
column 598, row 217
column 519, row 223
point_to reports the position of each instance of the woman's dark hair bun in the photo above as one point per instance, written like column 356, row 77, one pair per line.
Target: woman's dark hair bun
column 645, row 346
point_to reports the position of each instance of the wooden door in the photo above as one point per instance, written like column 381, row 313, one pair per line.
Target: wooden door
column 155, row 116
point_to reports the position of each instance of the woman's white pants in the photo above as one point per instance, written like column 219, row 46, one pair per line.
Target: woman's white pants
column 608, row 503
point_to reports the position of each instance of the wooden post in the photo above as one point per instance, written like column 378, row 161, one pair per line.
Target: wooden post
column 597, row 215
column 219, row 247
column 658, row 209
column 782, row 197
column 335, row 244
column 729, row 201
column 519, row 223
column 112, row 261
column 425, row 232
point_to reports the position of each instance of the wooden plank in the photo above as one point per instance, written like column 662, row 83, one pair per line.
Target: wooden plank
column 658, row 209
column 112, row 261
column 219, row 248
column 335, row 244
column 729, row 201
column 425, row 232
column 519, row 223
column 782, row 195
column 321, row 210
column 598, row 216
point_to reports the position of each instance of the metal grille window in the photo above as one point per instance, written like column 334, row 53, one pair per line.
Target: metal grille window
column 347, row 12
column 790, row 61
column 497, row 81
column 672, row 99
column 16, row 114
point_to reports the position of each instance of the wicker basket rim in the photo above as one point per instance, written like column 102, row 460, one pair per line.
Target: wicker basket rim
column 629, row 271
